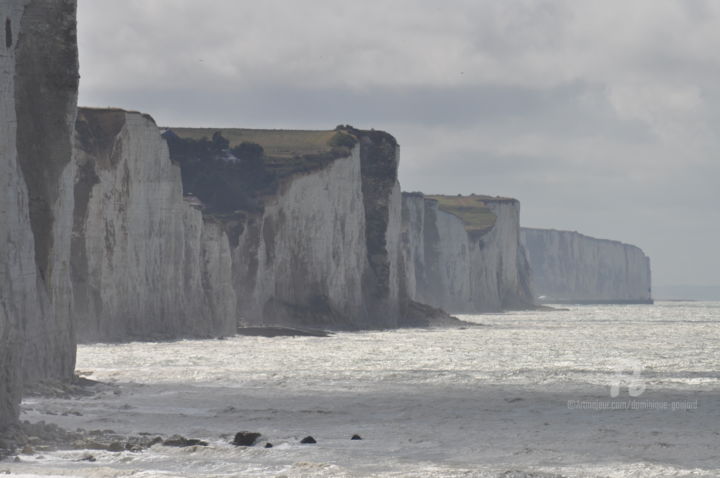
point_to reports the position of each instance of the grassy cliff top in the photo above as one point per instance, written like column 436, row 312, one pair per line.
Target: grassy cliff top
column 236, row 169
column 279, row 143
column 471, row 210
column 98, row 114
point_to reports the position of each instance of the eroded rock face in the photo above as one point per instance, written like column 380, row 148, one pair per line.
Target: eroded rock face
column 301, row 261
column 18, row 279
column 145, row 263
column 379, row 160
column 571, row 267
column 38, row 88
column 460, row 271
column 46, row 98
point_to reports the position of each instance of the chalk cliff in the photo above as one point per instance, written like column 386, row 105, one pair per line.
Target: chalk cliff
column 571, row 267
column 463, row 254
column 38, row 93
column 145, row 263
column 312, row 241
column 321, row 249
column 324, row 251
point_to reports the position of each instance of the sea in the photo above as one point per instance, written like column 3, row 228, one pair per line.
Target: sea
column 589, row 391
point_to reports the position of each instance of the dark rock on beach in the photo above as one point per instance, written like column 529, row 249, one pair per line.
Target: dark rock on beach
column 116, row 447
column 32, row 438
column 245, row 438
column 308, row 440
column 181, row 442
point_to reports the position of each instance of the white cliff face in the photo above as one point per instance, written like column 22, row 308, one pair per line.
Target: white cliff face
column 570, row 267
column 18, row 277
column 393, row 241
column 146, row 263
column 437, row 249
column 37, row 108
column 412, row 241
column 302, row 262
column 455, row 270
column 46, row 82
column 308, row 259
column 506, row 267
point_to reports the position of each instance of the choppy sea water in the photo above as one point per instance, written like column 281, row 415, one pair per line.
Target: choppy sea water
column 596, row 391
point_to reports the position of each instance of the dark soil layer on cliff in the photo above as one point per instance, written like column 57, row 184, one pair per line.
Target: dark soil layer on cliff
column 379, row 167
column 280, row 143
column 233, row 170
column 45, row 94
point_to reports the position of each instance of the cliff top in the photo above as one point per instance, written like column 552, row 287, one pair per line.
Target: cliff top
column 279, row 143
column 98, row 113
column 471, row 210
column 236, row 169
column 583, row 236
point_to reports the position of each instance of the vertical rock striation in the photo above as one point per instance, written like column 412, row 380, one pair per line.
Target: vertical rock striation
column 18, row 278
column 570, row 267
column 300, row 261
column 45, row 101
column 379, row 160
column 145, row 263
column 463, row 266
column 38, row 69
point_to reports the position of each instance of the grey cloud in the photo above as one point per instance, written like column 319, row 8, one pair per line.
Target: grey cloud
column 600, row 116
column 573, row 109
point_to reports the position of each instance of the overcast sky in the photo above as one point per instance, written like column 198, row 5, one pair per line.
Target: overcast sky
column 600, row 116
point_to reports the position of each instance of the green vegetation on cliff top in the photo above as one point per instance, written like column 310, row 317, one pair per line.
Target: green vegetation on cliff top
column 471, row 210
column 277, row 143
column 232, row 170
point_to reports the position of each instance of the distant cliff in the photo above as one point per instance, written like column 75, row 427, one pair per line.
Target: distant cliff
column 38, row 92
column 463, row 254
column 570, row 267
